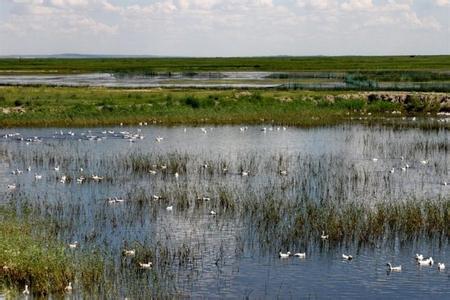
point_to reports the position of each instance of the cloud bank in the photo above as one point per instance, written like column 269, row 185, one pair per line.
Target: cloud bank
column 225, row 27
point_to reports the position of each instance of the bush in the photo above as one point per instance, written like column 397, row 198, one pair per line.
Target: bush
column 414, row 104
column 192, row 102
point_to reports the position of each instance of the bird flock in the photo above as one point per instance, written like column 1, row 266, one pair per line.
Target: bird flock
column 420, row 259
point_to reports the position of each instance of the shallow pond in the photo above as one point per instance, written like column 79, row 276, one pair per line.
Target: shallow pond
column 272, row 189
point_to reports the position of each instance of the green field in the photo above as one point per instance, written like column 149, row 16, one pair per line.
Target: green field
column 297, row 64
column 58, row 106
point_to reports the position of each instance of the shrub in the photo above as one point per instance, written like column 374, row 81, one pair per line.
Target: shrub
column 192, row 102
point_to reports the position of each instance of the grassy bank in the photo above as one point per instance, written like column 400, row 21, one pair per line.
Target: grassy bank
column 45, row 106
column 31, row 255
column 149, row 65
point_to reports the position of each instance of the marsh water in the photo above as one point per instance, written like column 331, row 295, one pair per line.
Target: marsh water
column 234, row 171
column 301, row 80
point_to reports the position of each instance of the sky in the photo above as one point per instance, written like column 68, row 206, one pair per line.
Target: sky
column 225, row 27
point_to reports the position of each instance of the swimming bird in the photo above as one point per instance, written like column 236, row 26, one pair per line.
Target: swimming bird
column 26, row 291
column 159, row 139
column 394, row 269
column 176, row 175
column 63, row 179
column 97, row 178
column 347, row 257
column 441, row 266
column 424, row 162
column 419, row 256
column 37, row 176
column 426, row 262
column 323, row 236
column 204, row 130
column 244, row 173
column 403, row 169
column 212, row 213
column 131, row 252
column 68, row 288
column 283, row 172
column 300, row 254
column 145, row 265
column 29, row 169
column 374, row 159
column 169, row 208
column 284, row 255
column 392, row 171
column 73, row 245
column 81, row 179
column 445, row 183
column 56, row 168
column 156, row 197
column 11, row 186
column 153, row 172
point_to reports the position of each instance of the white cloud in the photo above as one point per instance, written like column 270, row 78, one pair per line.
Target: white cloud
column 219, row 27
column 357, row 5
column 442, row 2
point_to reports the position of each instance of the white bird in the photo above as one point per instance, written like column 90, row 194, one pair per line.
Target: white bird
column 441, row 266
column 323, row 236
column 284, row 255
column 374, row 159
column 37, row 176
column 169, row 208
column 176, row 175
column 403, row 169
column 119, row 200
column 153, row 172
column 29, row 169
column 11, row 186
column 300, row 255
column 63, row 179
column 159, row 139
column 394, row 269
column 244, row 173
column 97, row 178
column 145, row 265
column 445, row 183
column 426, row 262
column 156, row 197
column 424, row 162
column 347, row 257
column 131, row 252
column 204, row 130
column 392, row 171
column 407, row 166
column 68, row 288
column 81, row 179
column 26, row 291
column 419, row 256
column 283, row 172
column 56, row 168
column 212, row 213
column 73, row 245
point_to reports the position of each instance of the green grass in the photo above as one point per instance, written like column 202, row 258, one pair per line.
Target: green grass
column 191, row 65
column 47, row 106
column 29, row 255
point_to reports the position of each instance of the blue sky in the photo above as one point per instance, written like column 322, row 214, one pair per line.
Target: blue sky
column 225, row 28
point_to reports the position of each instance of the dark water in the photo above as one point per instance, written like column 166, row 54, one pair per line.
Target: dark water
column 229, row 254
